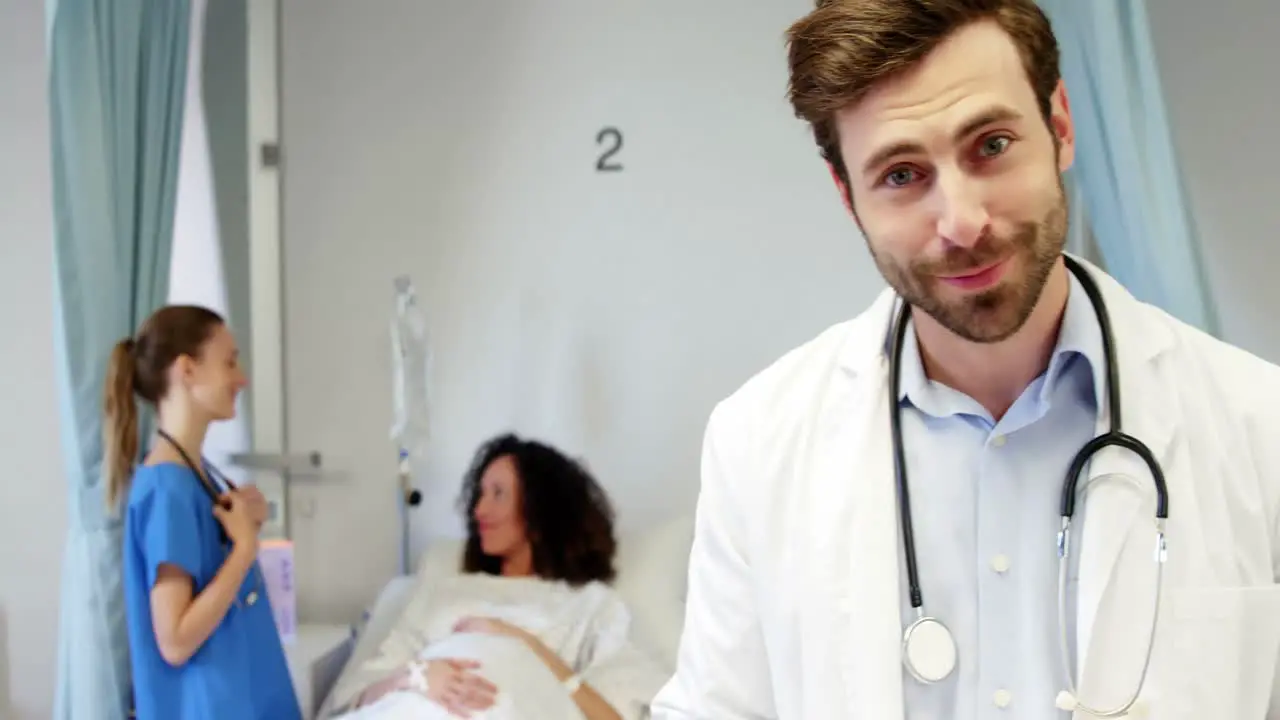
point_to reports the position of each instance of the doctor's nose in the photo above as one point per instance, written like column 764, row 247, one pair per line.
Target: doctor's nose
column 962, row 214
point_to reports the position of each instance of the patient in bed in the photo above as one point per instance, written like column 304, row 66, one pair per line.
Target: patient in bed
column 531, row 629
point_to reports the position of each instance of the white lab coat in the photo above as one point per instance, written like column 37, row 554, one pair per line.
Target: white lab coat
column 795, row 590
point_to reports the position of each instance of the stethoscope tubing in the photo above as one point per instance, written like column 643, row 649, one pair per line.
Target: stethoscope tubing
column 205, row 484
column 1113, row 437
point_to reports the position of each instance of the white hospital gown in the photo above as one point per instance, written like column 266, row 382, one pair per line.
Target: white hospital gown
column 582, row 625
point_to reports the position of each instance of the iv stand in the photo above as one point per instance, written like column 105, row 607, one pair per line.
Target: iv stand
column 411, row 360
column 409, row 497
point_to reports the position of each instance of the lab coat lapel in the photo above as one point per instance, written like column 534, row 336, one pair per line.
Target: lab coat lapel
column 1116, row 539
column 855, row 529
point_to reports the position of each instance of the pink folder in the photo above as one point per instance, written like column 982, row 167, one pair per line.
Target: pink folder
column 276, row 559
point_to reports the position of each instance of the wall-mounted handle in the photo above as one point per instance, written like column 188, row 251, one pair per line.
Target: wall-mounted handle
column 294, row 464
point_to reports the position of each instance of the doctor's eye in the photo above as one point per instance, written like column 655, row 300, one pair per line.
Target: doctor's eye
column 994, row 145
column 900, row 177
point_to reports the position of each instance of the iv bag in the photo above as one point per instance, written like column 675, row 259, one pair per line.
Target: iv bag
column 411, row 371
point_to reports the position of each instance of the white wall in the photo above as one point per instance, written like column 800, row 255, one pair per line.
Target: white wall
column 607, row 313
column 1218, row 61
column 604, row 312
column 32, row 494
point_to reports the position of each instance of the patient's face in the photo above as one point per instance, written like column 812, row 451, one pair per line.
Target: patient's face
column 498, row 513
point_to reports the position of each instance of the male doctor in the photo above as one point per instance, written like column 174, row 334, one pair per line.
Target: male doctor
column 947, row 129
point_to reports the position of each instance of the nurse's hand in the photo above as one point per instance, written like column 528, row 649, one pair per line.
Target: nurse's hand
column 454, row 685
column 256, row 501
column 237, row 519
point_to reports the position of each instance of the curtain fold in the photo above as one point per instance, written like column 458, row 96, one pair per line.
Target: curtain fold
column 1126, row 163
column 197, row 275
column 116, row 91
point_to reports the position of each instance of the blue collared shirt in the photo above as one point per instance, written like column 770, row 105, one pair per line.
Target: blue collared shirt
column 985, row 508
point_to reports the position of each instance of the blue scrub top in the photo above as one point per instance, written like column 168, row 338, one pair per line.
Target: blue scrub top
column 240, row 673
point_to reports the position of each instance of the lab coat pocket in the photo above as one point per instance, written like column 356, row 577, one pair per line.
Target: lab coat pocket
column 1222, row 647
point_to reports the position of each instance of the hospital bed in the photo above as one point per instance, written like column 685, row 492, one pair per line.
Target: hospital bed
column 652, row 575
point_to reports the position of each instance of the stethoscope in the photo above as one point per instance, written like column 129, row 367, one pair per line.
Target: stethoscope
column 252, row 597
column 928, row 647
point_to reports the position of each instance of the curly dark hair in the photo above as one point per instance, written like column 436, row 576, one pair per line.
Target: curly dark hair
column 567, row 515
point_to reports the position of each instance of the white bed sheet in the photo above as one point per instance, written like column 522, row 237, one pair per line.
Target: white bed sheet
column 374, row 628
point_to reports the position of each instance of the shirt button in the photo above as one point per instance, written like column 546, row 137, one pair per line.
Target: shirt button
column 1002, row 698
column 1000, row 563
column 998, row 441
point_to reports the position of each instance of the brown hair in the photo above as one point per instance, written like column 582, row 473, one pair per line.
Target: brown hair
column 139, row 368
column 844, row 48
column 567, row 515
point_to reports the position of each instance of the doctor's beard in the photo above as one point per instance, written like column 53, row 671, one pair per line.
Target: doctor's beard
column 997, row 313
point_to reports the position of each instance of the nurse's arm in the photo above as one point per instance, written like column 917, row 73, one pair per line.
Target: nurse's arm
column 722, row 671
column 182, row 620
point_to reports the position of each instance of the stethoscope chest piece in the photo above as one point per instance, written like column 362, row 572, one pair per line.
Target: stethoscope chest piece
column 929, row 650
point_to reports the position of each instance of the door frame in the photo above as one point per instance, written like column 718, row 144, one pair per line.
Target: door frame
column 267, row 394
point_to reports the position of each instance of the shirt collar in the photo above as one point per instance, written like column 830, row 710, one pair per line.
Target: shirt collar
column 1079, row 335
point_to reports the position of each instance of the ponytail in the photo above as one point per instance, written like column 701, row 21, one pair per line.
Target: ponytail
column 120, row 421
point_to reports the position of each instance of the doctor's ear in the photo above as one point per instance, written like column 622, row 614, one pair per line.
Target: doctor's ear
column 1063, row 127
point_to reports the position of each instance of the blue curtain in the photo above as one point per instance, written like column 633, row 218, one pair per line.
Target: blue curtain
column 1126, row 165
column 117, row 80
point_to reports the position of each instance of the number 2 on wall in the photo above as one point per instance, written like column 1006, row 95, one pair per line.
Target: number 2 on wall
column 604, row 164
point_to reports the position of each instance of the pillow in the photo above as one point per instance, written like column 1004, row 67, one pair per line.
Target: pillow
column 443, row 558
column 653, row 581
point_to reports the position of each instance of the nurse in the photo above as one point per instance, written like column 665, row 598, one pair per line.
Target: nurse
column 202, row 638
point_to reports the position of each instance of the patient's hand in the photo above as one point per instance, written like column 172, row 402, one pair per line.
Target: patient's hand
column 494, row 626
column 454, row 685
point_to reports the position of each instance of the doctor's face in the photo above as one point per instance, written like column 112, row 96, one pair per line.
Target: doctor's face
column 955, row 181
